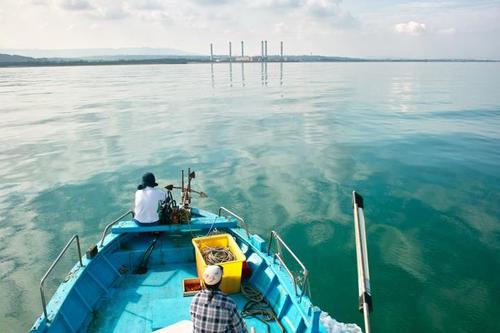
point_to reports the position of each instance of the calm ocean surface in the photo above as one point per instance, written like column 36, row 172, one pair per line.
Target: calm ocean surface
column 284, row 148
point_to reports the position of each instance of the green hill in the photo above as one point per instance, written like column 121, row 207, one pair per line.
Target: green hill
column 7, row 58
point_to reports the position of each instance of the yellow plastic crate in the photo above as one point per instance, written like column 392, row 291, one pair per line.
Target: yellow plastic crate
column 231, row 280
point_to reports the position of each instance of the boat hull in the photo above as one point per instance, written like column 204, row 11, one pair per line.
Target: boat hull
column 105, row 295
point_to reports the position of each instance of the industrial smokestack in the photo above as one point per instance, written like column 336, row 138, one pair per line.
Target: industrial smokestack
column 281, row 50
column 230, row 51
column 262, row 49
column 211, row 52
column 265, row 49
column 242, row 49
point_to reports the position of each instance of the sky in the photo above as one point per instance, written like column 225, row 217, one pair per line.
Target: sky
column 356, row 28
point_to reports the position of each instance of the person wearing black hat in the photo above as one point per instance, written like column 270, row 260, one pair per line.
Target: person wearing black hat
column 148, row 200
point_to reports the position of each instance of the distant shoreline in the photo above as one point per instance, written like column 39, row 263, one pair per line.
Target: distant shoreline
column 33, row 62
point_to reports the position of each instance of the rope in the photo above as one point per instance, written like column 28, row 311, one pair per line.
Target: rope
column 216, row 255
column 213, row 223
column 251, row 293
column 258, row 307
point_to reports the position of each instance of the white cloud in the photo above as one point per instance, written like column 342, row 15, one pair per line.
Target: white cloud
column 323, row 7
column 145, row 10
column 75, row 4
column 318, row 26
column 276, row 4
column 155, row 15
column 39, row 2
column 447, row 31
column 211, row 2
column 148, row 4
column 113, row 10
column 411, row 28
column 330, row 12
column 280, row 28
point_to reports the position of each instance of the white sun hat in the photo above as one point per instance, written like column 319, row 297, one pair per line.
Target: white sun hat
column 212, row 275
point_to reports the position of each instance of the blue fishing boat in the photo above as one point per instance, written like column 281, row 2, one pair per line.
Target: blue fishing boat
column 142, row 279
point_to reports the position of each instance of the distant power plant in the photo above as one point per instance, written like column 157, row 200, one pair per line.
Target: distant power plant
column 264, row 56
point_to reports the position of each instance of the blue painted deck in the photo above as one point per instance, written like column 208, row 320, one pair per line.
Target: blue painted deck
column 142, row 303
column 105, row 296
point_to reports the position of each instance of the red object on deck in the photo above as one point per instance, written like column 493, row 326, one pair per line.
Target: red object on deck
column 246, row 271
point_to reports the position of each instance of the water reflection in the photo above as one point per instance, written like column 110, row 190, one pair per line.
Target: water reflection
column 212, row 74
column 403, row 90
column 262, row 72
column 242, row 74
column 309, row 136
column 265, row 73
column 231, row 74
column 248, row 73
column 281, row 73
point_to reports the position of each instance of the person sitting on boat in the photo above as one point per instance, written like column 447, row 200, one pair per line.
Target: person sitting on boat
column 212, row 311
column 148, row 201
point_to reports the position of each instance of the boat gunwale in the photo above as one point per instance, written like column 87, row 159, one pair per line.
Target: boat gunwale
column 307, row 311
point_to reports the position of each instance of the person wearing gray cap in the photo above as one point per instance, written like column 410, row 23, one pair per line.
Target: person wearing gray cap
column 211, row 310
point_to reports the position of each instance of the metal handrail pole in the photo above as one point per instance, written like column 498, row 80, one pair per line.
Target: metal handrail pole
column 54, row 263
column 278, row 256
column 238, row 218
column 270, row 243
column 304, row 269
column 106, row 229
column 280, row 242
column 305, row 285
column 362, row 258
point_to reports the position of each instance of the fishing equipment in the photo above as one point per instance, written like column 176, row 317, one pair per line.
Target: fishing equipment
column 174, row 214
column 143, row 265
column 167, row 209
column 231, row 281
column 258, row 307
column 217, row 255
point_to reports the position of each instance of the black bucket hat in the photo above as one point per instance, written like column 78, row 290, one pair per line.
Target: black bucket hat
column 148, row 179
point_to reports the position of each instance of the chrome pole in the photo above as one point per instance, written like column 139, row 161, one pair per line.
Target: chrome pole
column 51, row 268
column 365, row 298
column 106, row 229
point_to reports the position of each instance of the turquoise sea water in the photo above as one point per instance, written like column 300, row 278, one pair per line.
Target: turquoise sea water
column 283, row 147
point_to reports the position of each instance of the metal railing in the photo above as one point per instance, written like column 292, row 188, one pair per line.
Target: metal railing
column 304, row 279
column 106, row 229
column 365, row 298
column 54, row 263
column 238, row 218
